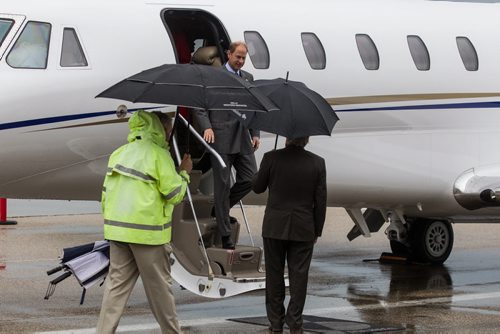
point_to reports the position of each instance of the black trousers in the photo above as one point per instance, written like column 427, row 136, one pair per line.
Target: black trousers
column 226, row 196
column 298, row 256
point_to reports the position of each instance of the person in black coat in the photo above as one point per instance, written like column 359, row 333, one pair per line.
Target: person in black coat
column 293, row 220
column 235, row 144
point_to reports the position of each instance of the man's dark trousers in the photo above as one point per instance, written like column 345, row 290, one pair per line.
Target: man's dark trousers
column 246, row 168
column 298, row 255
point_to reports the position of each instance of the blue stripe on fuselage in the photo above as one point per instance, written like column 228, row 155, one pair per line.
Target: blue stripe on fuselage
column 48, row 120
column 65, row 118
column 468, row 105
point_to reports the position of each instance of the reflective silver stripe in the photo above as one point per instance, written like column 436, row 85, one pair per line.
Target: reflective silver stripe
column 173, row 193
column 134, row 172
column 138, row 226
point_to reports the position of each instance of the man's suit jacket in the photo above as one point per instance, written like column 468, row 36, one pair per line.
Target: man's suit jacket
column 230, row 134
column 296, row 204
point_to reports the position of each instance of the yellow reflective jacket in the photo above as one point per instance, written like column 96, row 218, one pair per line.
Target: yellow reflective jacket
column 142, row 185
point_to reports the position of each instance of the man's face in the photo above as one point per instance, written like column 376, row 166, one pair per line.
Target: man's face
column 237, row 59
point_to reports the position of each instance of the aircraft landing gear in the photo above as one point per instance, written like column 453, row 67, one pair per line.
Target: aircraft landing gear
column 432, row 240
column 427, row 241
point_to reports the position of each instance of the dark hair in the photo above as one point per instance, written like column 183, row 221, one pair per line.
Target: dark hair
column 300, row 142
column 234, row 45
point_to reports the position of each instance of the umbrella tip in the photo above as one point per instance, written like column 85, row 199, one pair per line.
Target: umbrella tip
column 287, row 72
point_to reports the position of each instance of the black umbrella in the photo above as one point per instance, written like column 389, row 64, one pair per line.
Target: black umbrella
column 190, row 85
column 303, row 112
column 89, row 264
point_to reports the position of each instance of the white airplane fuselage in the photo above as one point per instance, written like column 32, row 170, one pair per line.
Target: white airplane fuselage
column 404, row 135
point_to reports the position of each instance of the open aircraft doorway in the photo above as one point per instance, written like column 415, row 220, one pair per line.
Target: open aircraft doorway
column 191, row 29
column 199, row 263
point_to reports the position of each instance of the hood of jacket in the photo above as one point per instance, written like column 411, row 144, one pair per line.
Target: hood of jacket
column 146, row 126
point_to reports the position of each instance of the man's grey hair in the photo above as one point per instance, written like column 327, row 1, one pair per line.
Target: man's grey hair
column 300, row 142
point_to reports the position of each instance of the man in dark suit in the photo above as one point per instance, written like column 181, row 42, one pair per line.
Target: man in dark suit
column 235, row 144
column 293, row 221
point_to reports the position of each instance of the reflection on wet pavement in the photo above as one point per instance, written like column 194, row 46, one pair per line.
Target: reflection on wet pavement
column 461, row 296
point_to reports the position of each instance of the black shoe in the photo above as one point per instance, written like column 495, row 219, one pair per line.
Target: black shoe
column 275, row 330
column 227, row 243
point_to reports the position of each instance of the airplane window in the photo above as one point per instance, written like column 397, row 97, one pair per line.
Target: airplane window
column 72, row 53
column 467, row 53
column 368, row 52
column 419, row 52
column 5, row 26
column 32, row 47
column 314, row 50
column 257, row 49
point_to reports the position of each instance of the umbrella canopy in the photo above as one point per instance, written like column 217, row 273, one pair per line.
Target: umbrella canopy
column 70, row 253
column 90, row 268
column 89, row 264
column 303, row 112
column 190, row 85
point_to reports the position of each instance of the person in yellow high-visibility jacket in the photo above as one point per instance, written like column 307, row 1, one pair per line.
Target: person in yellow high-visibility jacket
column 140, row 190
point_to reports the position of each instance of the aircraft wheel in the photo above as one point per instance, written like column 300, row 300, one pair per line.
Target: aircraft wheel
column 432, row 240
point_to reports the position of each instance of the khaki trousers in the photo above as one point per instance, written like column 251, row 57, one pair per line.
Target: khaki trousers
column 127, row 262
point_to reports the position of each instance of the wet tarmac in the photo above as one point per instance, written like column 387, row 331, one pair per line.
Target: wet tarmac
column 346, row 282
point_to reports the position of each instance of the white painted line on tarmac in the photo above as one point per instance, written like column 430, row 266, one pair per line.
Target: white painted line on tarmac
column 321, row 311
column 142, row 327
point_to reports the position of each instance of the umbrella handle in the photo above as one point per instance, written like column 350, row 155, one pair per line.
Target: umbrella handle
column 61, row 278
column 54, row 270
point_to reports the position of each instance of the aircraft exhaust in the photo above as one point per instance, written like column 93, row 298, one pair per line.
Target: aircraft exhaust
column 478, row 187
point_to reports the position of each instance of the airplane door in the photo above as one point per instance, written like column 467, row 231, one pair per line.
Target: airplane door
column 190, row 29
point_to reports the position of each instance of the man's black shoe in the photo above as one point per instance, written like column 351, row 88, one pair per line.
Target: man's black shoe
column 227, row 243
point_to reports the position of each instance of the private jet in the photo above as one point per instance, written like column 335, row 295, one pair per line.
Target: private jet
column 412, row 81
